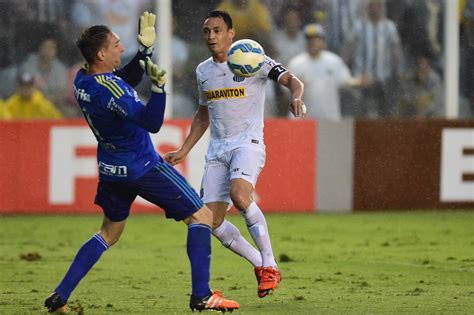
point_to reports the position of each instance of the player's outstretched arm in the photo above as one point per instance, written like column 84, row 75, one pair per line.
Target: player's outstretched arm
column 132, row 73
column 296, row 87
column 157, row 76
column 198, row 128
column 151, row 116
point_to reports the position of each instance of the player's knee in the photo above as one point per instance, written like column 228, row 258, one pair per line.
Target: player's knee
column 240, row 198
column 112, row 230
column 202, row 216
column 217, row 221
column 110, row 238
column 241, row 193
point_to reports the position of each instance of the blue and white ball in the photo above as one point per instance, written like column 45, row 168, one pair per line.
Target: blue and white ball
column 245, row 57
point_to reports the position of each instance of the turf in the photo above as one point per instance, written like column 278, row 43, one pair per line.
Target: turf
column 382, row 263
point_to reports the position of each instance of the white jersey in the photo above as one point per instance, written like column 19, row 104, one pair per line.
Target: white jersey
column 235, row 104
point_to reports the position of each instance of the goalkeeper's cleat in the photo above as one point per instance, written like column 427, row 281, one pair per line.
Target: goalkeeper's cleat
column 213, row 302
column 269, row 279
column 54, row 303
column 218, row 293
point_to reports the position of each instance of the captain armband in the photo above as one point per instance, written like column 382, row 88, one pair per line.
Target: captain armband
column 276, row 72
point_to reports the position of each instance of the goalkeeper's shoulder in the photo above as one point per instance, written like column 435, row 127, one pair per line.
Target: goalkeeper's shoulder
column 111, row 84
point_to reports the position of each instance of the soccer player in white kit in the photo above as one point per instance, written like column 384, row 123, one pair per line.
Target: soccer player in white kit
column 233, row 107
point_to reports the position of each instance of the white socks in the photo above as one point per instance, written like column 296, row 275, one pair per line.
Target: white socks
column 257, row 226
column 229, row 235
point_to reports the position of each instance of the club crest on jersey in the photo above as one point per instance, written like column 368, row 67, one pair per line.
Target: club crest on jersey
column 226, row 93
column 238, row 79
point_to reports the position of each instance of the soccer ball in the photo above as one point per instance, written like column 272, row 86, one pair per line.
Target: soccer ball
column 245, row 57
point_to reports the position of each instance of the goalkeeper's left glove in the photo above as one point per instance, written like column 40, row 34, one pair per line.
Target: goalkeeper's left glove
column 157, row 76
column 146, row 33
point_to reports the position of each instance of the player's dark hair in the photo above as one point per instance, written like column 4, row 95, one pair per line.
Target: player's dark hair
column 91, row 41
column 223, row 15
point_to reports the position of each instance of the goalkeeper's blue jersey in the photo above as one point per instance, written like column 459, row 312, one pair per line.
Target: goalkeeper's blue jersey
column 112, row 109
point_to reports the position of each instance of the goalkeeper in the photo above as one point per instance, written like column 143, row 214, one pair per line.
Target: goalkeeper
column 128, row 164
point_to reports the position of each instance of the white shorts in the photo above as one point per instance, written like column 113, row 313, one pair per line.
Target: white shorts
column 244, row 162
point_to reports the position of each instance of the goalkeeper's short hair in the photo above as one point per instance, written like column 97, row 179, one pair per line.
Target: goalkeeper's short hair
column 92, row 40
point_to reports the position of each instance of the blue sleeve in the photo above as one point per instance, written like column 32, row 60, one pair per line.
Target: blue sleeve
column 132, row 73
column 122, row 100
column 151, row 116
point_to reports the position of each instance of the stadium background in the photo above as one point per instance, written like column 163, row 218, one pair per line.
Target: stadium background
column 362, row 162
column 370, row 259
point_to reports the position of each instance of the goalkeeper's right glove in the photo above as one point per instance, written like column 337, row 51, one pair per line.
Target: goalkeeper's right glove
column 157, row 76
column 146, row 33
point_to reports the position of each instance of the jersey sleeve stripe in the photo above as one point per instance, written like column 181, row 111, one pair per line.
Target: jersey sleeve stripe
column 117, row 87
column 113, row 85
column 116, row 91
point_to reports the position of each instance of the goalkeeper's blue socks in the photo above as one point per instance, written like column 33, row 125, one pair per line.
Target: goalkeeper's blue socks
column 199, row 253
column 85, row 259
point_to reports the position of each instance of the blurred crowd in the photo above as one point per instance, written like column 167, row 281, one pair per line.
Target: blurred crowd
column 357, row 58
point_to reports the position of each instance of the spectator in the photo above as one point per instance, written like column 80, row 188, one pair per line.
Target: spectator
column 467, row 51
column 51, row 75
column 305, row 8
column 8, row 77
column 338, row 17
column 375, row 51
column 323, row 74
column 119, row 15
column 412, row 18
column 424, row 92
column 288, row 38
column 183, row 104
column 34, row 20
column 10, row 47
column 288, row 41
column 28, row 102
column 251, row 19
column 4, row 114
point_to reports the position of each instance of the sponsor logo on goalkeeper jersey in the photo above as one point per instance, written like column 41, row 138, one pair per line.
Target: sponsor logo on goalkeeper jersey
column 113, row 170
column 226, row 93
column 81, row 94
column 113, row 106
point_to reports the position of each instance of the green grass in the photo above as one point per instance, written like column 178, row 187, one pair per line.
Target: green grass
column 382, row 263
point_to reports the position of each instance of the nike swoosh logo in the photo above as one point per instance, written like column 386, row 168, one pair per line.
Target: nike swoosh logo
column 221, row 75
column 245, row 174
column 204, row 81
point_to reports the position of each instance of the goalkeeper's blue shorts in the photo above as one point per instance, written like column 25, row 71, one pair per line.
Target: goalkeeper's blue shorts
column 162, row 185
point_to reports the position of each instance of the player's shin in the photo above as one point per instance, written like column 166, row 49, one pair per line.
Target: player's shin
column 85, row 259
column 199, row 253
column 230, row 236
column 257, row 226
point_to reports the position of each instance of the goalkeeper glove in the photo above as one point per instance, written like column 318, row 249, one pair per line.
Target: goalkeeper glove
column 146, row 33
column 157, row 76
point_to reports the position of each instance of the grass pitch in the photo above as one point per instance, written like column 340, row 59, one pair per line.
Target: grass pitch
column 379, row 263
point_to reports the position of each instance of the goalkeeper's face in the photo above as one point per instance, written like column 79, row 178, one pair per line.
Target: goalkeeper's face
column 113, row 51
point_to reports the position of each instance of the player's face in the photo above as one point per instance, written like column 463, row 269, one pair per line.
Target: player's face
column 218, row 37
column 26, row 91
column 113, row 51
